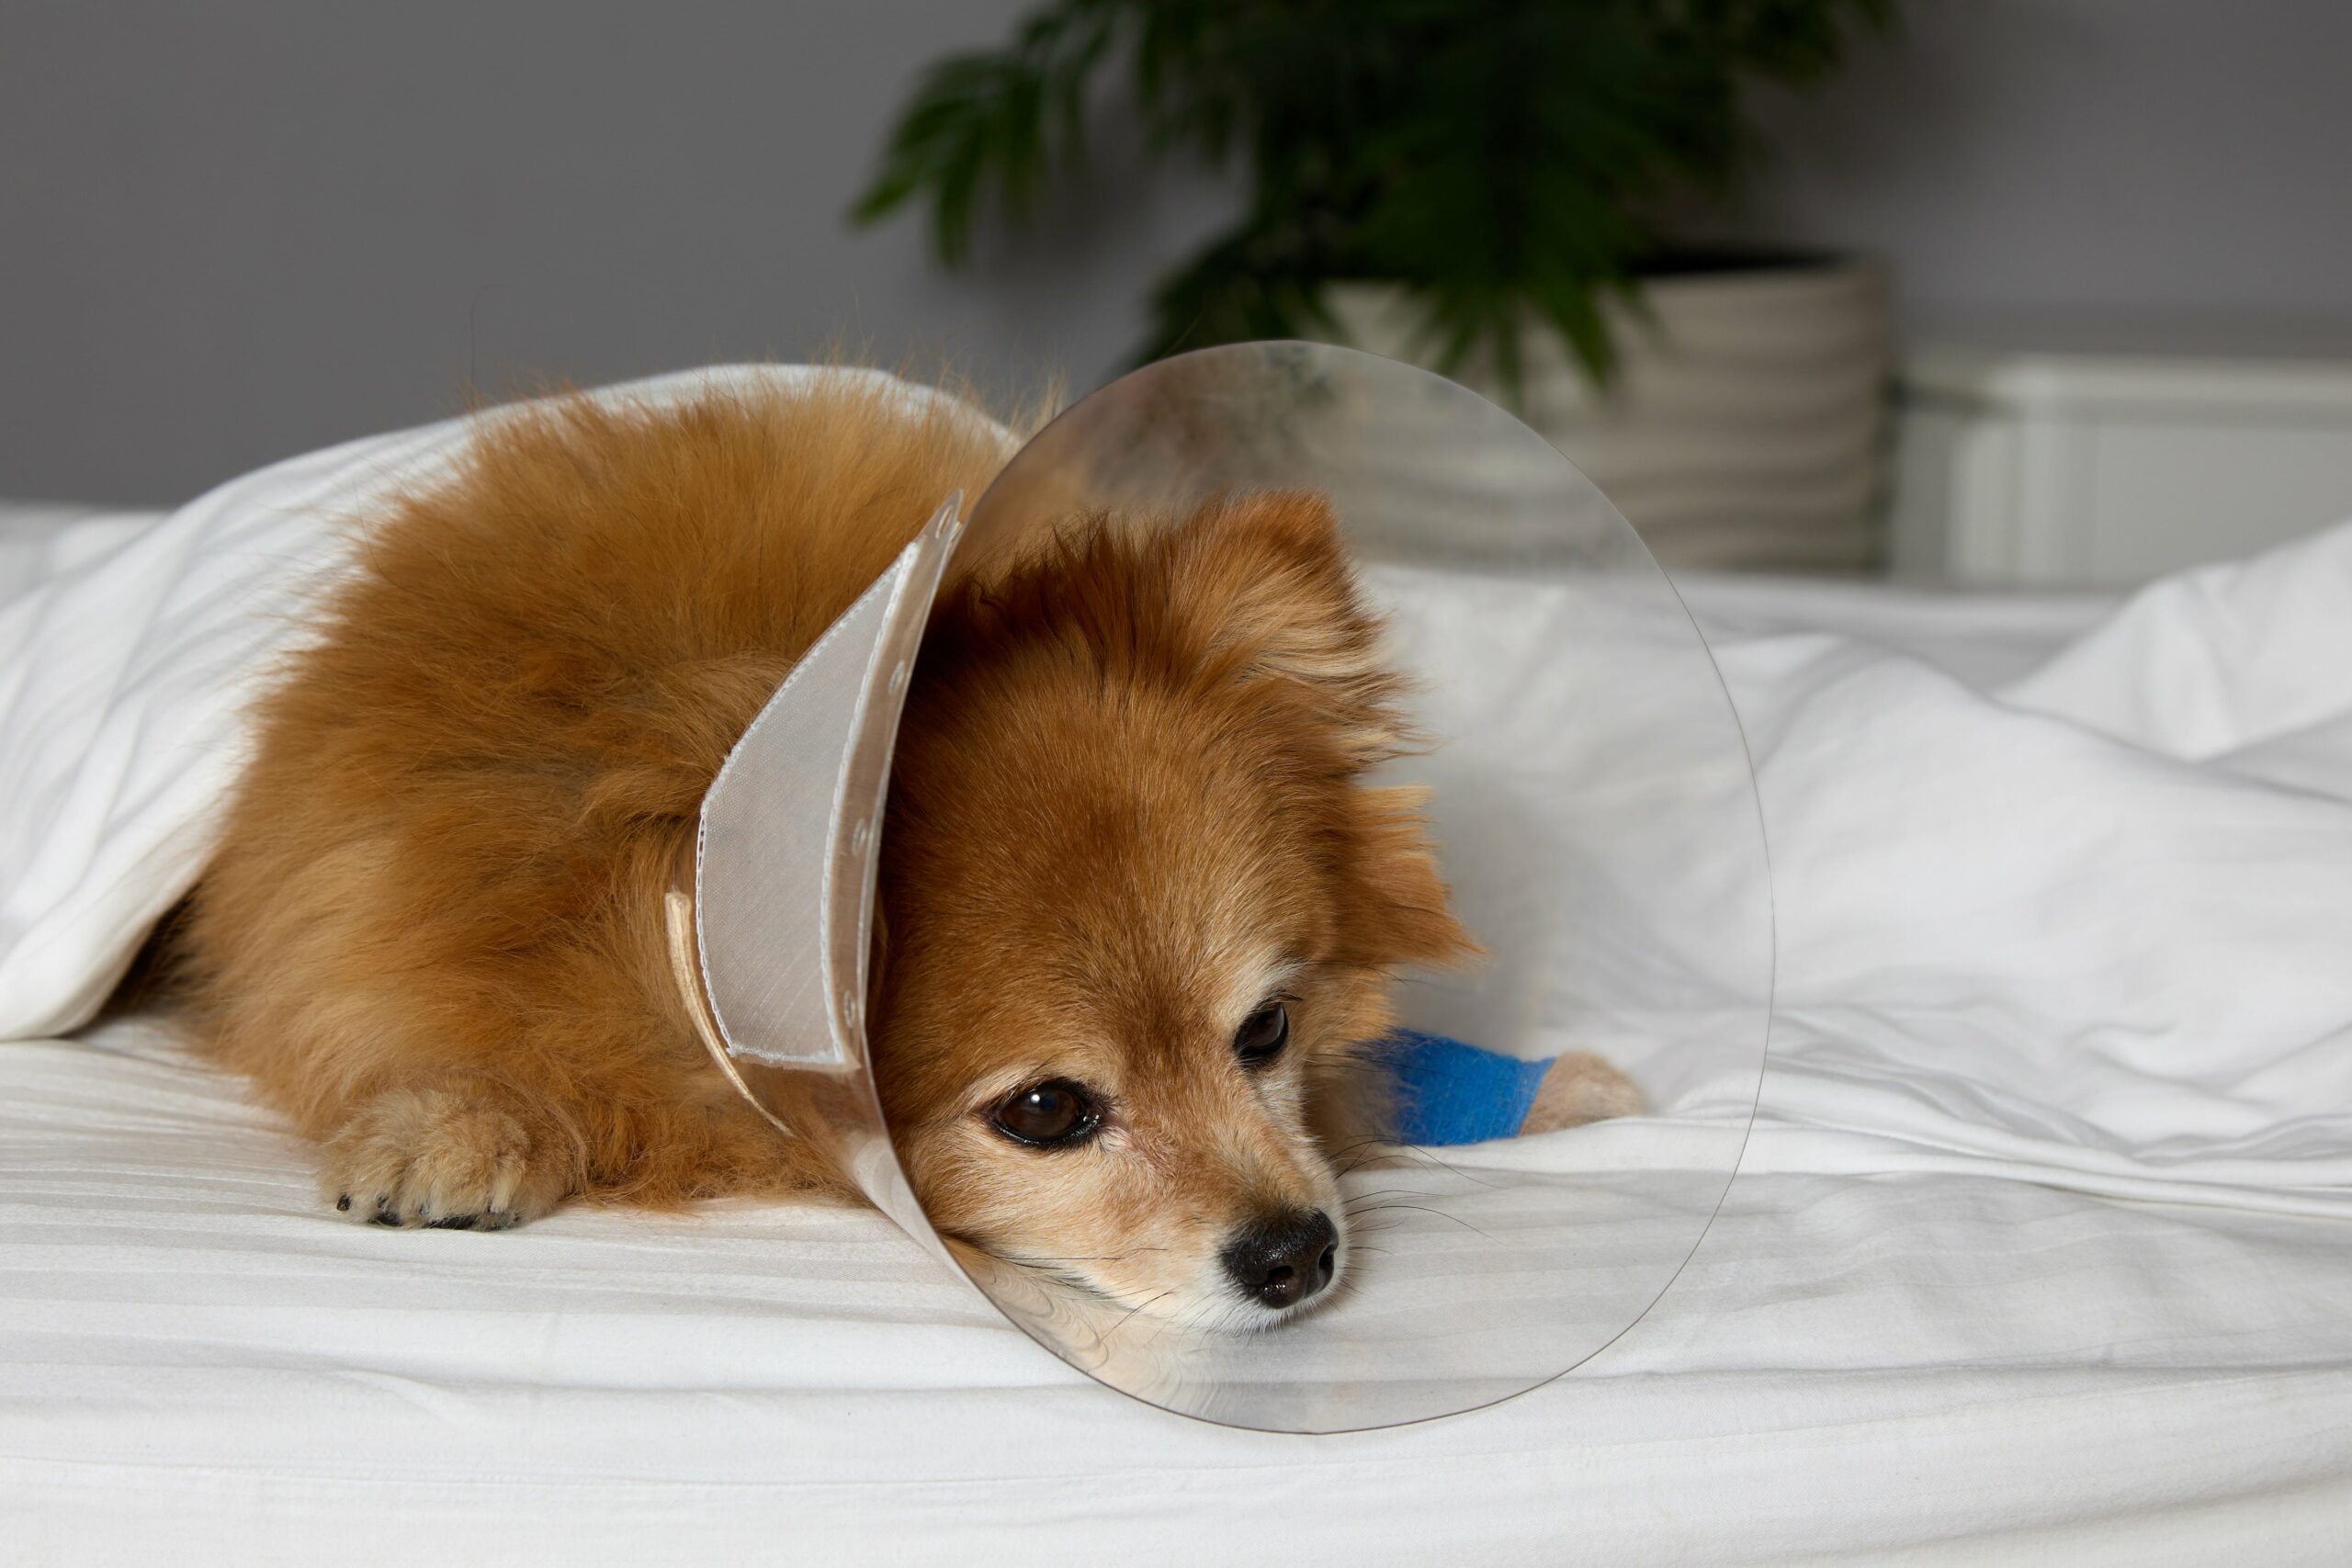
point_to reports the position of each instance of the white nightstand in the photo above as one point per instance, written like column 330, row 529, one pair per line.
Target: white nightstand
column 2080, row 457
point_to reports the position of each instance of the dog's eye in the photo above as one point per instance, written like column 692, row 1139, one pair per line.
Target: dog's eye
column 1262, row 1035
column 1057, row 1111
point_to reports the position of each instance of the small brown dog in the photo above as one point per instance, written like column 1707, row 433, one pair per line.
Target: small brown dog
column 1141, row 911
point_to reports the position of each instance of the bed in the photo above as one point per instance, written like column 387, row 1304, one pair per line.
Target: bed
column 2041, row 1249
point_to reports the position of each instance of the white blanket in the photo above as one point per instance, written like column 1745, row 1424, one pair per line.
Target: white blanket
column 2093, row 926
column 129, row 658
column 2039, row 1245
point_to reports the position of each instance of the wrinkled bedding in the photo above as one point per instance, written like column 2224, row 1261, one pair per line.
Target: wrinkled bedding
column 2040, row 1247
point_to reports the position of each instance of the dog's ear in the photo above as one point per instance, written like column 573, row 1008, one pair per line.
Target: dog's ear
column 1260, row 587
column 1397, row 907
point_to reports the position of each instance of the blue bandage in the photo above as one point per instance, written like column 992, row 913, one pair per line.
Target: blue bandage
column 1451, row 1093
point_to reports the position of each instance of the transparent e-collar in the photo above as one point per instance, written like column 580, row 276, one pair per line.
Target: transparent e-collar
column 1595, row 813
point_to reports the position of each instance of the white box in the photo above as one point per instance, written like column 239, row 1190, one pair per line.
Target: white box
column 2040, row 458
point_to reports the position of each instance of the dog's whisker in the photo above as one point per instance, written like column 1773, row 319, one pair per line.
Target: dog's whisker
column 1417, row 1152
column 1441, row 1214
column 1401, row 1153
column 1179, row 1320
column 1049, row 1260
column 1126, row 1316
column 1356, row 1198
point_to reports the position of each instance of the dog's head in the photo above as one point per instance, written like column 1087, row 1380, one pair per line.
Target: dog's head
column 1139, row 911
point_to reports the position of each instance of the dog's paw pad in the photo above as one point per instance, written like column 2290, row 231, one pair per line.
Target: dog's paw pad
column 441, row 1158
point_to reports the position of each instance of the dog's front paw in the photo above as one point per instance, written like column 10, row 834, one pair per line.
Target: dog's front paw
column 1579, row 1088
column 449, row 1157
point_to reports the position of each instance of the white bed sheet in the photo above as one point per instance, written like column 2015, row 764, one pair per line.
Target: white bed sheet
column 197, row 1365
column 2042, row 1247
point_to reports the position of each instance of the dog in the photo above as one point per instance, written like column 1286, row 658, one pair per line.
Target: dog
column 1139, row 908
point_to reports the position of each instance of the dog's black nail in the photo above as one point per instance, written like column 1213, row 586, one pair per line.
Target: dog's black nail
column 453, row 1223
column 384, row 1217
column 344, row 1203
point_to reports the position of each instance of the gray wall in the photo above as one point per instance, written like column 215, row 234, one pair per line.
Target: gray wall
column 238, row 229
column 233, row 231
column 2111, row 157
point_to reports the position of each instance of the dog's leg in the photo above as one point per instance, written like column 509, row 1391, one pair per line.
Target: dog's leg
column 464, row 1150
column 469, row 1084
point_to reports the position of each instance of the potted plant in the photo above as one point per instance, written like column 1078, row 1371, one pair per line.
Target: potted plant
column 1475, row 185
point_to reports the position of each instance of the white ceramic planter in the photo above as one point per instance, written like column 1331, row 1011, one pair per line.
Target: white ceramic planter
column 1745, row 426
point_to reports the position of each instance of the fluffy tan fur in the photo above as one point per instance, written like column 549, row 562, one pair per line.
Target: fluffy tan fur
column 1127, row 811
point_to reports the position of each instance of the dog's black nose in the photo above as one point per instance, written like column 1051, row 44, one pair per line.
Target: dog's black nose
column 1284, row 1258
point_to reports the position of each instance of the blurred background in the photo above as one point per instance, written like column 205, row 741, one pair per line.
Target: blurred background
column 2013, row 291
